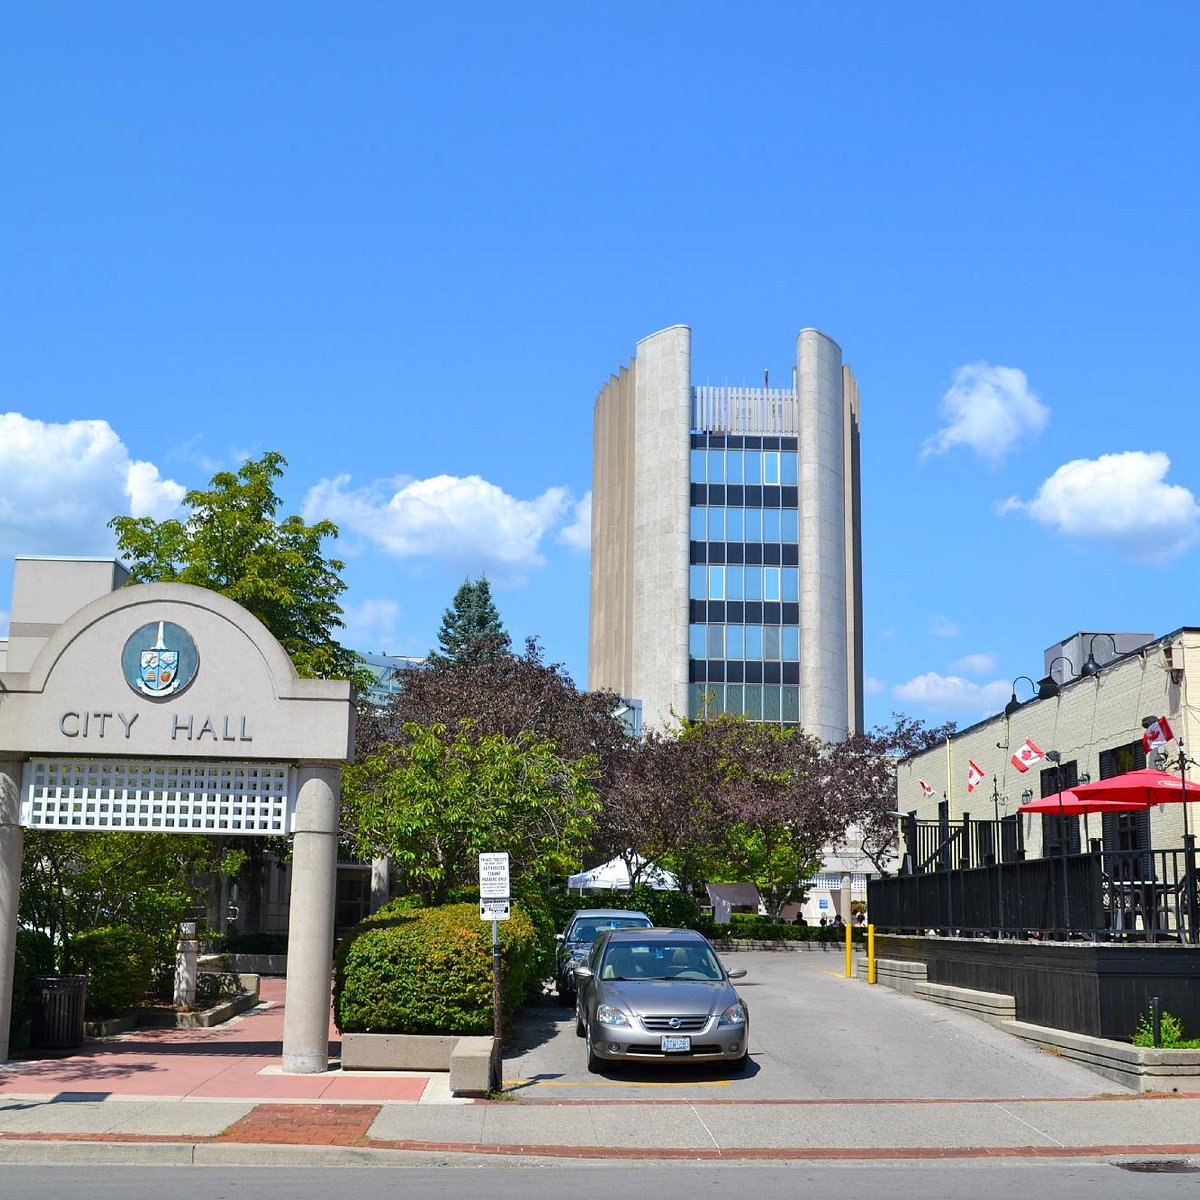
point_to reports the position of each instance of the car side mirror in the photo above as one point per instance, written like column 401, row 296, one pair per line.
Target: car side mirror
column 737, row 973
column 584, row 973
column 560, row 937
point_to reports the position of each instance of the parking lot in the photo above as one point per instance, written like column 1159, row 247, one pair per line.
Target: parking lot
column 814, row 1035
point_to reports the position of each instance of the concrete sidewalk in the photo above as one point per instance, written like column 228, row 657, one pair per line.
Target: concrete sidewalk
column 218, row 1096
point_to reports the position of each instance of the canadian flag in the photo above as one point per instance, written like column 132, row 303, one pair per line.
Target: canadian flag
column 1157, row 734
column 1027, row 755
column 925, row 787
column 974, row 776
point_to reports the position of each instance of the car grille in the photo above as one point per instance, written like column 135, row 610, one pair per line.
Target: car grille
column 667, row 1025
column 654, row 1052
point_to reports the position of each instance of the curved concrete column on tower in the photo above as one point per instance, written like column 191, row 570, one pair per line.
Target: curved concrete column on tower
column 824, row 685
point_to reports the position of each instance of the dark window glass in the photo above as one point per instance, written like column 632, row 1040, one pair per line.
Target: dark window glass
column 789, row 497
column 734, row 612
column 754, row 443
column 716, row 441
column 716, row 672
column 771, row 672
column 789, row 443
column 699, row 495
column 791, row 672
column 771, row 554
column 754, row 612
column 770, row 443
column 735, row 552
column 734, row 494
column 698, row 552
column 754, row 553
column 790, row 554
column 716, row 493
column 697, row 611
column 790, row 614
column 770, row 497
column 734, row 672
column 695, row 670
column 753, row 495
column 734, row 441
column 754, row 672
column 716, row 612
column 772, row 614
column 699, row 441
column 716, row 552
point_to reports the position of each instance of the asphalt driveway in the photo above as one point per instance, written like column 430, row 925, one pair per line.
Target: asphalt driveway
column 814, row 1035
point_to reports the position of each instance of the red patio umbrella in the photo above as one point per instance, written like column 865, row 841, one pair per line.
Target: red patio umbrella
column 1072, row 804
column 1144, row 787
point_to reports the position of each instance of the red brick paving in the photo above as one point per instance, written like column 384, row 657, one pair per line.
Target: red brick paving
column 302, row 1125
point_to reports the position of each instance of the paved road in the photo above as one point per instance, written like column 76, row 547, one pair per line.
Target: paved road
column 814, row 1035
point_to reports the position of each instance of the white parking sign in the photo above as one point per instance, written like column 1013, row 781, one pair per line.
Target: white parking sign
column 493, row 876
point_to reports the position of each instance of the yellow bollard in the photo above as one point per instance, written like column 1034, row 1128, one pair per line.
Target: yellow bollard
column 870, row 953
column 849, row 951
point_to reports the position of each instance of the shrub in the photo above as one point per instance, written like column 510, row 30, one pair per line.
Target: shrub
column 667, row 909
column 35, row 956
column 1171, row 1029
column 119, row 962
column 430, row 970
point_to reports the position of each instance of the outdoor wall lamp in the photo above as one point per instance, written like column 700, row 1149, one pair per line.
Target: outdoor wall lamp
column 1012, row 706
column 1027, row 795
column 1092, row 667
column 1049, row 687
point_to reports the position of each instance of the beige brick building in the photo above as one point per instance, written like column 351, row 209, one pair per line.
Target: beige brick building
column 1093, row 719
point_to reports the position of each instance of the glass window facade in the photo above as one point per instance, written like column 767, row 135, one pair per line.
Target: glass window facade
column 744, row 631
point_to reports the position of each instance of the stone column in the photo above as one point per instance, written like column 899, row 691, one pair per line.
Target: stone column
column 11, row 840
column 844, row 898
column 381, row 881
column 310, row 922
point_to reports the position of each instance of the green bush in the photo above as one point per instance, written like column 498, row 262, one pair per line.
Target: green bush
column 1171, row 1029
column 668, row 910
column 119, row 962
column 237, row 941
column 430, row 970
column 763, row 930
column 35, row 956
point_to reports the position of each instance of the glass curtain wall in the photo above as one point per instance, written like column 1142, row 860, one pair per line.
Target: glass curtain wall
column 744, row 619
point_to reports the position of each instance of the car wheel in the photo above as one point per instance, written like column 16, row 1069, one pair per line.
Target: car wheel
column 593, row 1063
column 564, row 997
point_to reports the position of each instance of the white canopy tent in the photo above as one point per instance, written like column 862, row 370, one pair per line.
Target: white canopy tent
column 614, row 876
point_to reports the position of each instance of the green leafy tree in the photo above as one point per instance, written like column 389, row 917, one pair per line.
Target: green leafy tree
column 234, row 542
column 471, row 629
column 437, row 800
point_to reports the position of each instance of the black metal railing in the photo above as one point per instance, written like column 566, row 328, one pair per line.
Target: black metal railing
column 954, row 887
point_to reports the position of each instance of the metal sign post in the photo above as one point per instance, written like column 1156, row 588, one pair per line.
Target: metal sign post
column 494, row 906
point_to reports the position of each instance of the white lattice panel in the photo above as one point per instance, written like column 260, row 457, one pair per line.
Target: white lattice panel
column 158, row 797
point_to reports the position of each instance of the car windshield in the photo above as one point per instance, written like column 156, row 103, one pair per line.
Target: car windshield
column 587, row 929
column 660, row 960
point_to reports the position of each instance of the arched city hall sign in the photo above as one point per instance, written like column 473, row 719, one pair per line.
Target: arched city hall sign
column 169, row 708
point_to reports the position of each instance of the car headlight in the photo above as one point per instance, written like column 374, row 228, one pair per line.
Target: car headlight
column 735, row 1014
column 606, row 1014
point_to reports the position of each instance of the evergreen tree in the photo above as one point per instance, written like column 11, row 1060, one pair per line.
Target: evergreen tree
column 471, row 629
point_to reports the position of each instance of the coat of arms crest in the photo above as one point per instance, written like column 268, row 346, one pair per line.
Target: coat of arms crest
column 159, row 675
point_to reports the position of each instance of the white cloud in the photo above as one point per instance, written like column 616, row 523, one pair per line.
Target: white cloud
column 466, row 522
column 943, row 627
column 1119, row 499
column 579, row 532
column 954, row 695
column 975, row 664
column 60, row 484
column 370, row 625
column 873, row 686
column 989, row 410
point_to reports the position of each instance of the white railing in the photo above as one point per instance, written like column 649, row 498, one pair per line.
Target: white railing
column 771, row 411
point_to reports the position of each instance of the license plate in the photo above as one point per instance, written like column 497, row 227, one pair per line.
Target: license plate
column 676, row 1045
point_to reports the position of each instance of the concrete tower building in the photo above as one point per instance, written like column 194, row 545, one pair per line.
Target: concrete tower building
column 726, row 548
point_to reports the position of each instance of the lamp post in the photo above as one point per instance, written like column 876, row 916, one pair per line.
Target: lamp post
column 1189, row 849
column 1092, row 667
column 1056, row 758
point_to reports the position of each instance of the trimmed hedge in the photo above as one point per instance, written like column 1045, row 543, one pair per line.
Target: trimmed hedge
column 760, row 929
column 430, row 970
column 119, row 962
column 35, row 956
column 667, row 909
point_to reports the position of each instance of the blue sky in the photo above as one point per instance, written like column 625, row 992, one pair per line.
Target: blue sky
column 406, row 246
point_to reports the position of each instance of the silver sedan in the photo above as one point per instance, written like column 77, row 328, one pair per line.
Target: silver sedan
column 659, row 995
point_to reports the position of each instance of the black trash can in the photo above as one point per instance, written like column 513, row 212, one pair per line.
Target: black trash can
column 56, row 1011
